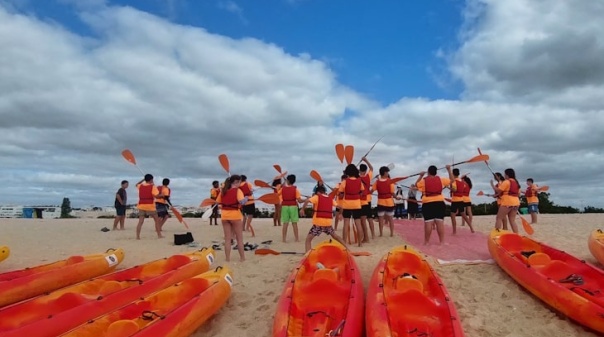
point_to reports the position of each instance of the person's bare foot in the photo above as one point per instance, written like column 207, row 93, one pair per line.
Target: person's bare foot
column 242, row 259
column 160, row 236
column 138, row 238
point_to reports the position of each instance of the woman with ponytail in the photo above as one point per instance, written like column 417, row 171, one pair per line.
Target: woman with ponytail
column 509, row 189
column 230, row 200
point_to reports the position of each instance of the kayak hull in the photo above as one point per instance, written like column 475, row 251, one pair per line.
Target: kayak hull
column 322, row 295
column 406, row 297
column 176, row 311
column 19, row 285
column 66, row 308
column 571, row 286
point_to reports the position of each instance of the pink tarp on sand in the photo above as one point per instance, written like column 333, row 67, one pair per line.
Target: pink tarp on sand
column 463, row 248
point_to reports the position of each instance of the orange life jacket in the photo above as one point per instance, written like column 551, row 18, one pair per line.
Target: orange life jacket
column 229, row 200
column 383, row 189
column 145, row 194
column 352, row 190
column 324, row 207
column 288, row 194
column 433, row 186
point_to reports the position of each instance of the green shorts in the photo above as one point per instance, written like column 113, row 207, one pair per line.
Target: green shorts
column 289, row 214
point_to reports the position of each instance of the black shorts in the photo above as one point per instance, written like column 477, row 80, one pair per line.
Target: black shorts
column 433, row 210
column 468, row 204
column 162, row 209
column 458, row 207
column 354, row 213
column 366, row 210
column 249, row 209
column 120, row 210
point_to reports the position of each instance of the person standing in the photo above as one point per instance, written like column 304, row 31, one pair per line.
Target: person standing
column 466, row 197
column 458, row 206
column 121, row 198
column 162, row 201
column 399, row 202
column 290, row 197
column 365, row 174
column 499, row 178
column 532, row 199
column 433, row 201
column 277, row 183
column 339, row 199
column 323, row 212
column 230, row 200
column 352, row 188
column 385, row 202
column 250, row 207
column 412, row 207
column 214, row 192
column 147, row 192
column 509, row 189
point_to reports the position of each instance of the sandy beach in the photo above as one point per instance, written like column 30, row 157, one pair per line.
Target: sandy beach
column 489, row 302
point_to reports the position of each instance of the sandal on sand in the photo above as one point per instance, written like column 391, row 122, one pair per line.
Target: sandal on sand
column 267, row 242
column 105, row 229
column 216, row 247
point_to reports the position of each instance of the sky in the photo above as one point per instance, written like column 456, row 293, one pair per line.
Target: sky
column 282, row 81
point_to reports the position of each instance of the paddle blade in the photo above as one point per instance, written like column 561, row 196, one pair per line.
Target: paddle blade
column 127, row 154
column 207, row 202
column 224, row 161
column 543, row 188
column 526, row 225
column 340, row 152
column 349, row 153
column 390, row 166
column 480, row 193
column 262, row 184
column 270, row 198
column 333, row 194
column 397, row 179
column 208, row 213
column 277, row 167
column 315, row 175
column 266, row 251
column 360, row 253
column 179, row 217
column 481, row 157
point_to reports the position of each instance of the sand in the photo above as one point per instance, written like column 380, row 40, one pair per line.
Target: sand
column 489, row 302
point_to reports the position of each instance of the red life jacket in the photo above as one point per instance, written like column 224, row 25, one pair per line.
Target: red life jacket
column 514, row 188
column 229, row 200
column 529, row 192
column 461, row 187
column 383, row 189
column 324, row 207
column 433, row 186
column 245, row 188
column 352, row 190
column 145, row 194
column 288, row 194
column 366, row 182
column 466, row 191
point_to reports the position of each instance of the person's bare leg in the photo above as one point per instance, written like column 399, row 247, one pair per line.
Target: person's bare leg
column 512, row 219
column 427, row 231
column 371, row 227
column 238, row 229
column 308, row 241
column 454, row 222
column 157, row 226
column 390, row 222
column 284, row 231
column 468, row 220
column 115, row 221
column 381, row 225
column 336, row 237
column 139, row 225
column 533, row 217
column 295, row 227
column 440, row 229
column 359, row 227
column 122, row 222
column 346, row 229
column 228, row 236
column 364, row 229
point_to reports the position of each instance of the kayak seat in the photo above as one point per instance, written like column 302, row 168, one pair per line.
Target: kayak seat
column 556, row 269
column 325, row 274
column 539, row 259
column 408, row 283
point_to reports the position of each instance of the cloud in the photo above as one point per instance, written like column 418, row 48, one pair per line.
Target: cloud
column 233, row 7
column 178, row 96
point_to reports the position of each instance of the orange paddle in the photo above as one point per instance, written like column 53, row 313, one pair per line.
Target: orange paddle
column 480, row 193
column 340, row 152
column 266, row 251
column 349, row 153
column 543, row 188
column 270, row 198
column 179, row 216
column 129, row 156
column 207, row 202
column 277, row 167
column 262, row 184
column 224, row 161
column 481, row 157
column 487, row 163
column 527, row 226
column 316, row 176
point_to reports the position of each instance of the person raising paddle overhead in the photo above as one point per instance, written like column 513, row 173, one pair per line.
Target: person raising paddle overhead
column 458, row 206
column 385, row 202
column 250, row 207
column 366, row 213
column 352, row 188
column 510, row 192
column 214, row 191
column 277, row 184
column 323, row 210
column 433, row 201
column 147, row 192
column 161, row 202
column 230, row 200
column 532, row 199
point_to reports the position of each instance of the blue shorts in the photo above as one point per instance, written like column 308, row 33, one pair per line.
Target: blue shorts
column 533, row 208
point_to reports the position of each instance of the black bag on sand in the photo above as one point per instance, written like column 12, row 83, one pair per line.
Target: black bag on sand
column 183, row 239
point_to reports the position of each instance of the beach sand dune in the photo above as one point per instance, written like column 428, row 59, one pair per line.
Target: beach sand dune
column 489, row 302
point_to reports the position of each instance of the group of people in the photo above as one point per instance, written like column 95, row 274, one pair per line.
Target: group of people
column 351, row 199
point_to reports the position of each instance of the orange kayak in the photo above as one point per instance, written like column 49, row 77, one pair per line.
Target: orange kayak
column 22, row 284
column 571, row 286
column 323, row 296
column 407, row 298
column 176, row 311
column 66, row 308
column 4, row 253
column 596, row 245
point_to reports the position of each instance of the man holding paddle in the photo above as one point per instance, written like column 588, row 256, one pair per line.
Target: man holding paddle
column 250, row 206
column 214, row 191
column 147, row 192
column 532, row 199
column 433, row 201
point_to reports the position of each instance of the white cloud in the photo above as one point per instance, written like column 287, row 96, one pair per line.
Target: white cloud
column 178, row 96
